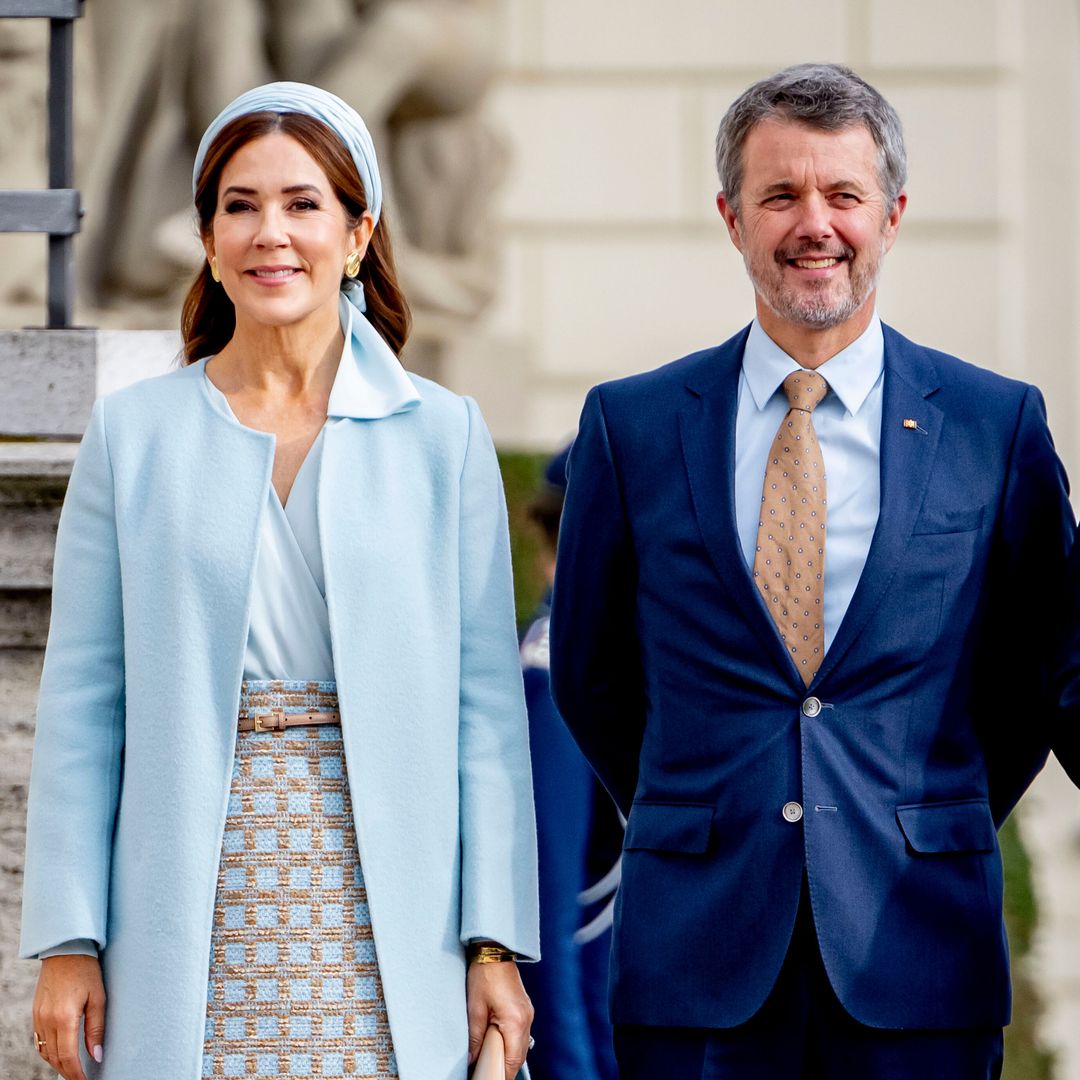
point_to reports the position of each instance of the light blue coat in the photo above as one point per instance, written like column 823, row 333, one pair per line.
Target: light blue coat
column 137, row 718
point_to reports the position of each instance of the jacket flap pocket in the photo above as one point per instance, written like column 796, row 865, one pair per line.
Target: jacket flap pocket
column 948, row 826
column 950, row 520
column 657, row 826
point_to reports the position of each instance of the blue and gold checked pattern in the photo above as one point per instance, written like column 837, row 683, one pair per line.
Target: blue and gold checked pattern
column 294, row 988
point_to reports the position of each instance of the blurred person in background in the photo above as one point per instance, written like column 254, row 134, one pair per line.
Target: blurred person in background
column 280, row 810
column 579, row 834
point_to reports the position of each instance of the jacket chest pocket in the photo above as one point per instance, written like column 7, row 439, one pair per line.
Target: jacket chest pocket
column 948, row 552
column 943, row 521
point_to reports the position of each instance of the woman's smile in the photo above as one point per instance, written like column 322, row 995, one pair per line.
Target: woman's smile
column 273, row 275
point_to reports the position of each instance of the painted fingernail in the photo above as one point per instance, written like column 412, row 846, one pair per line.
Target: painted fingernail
column 98, row 1054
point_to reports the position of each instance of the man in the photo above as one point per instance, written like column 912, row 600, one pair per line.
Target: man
column 806, row 584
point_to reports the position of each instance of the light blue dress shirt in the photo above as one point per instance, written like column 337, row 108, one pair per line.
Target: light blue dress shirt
column 848, row 426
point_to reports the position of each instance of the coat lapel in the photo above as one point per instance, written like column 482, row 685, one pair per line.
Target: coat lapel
column 221, row 523
column 907, row 458
column 376, row 505
column 356, row 528
column 707, row 429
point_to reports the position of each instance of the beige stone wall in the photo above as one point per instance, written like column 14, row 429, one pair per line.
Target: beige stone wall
column 615, row 257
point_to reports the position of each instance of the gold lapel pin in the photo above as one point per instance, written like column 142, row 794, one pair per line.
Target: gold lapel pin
column 913, row 424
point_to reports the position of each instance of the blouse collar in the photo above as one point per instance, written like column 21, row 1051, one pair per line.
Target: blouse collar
column 370, row 383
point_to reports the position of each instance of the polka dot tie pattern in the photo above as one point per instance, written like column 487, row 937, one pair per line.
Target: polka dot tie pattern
column 789, row 561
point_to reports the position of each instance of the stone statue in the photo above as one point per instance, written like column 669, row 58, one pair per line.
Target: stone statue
column 417, row 71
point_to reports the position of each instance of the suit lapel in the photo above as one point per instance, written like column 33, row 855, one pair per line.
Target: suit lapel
column 907, row 458
column 707, row 429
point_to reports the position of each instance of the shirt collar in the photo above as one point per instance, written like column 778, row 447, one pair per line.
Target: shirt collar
column 370, row 382
column 851, row 373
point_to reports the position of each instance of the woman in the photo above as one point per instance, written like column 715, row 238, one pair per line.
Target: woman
column 291, row 528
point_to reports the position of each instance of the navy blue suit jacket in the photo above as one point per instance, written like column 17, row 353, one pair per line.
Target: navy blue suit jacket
column 669, row 672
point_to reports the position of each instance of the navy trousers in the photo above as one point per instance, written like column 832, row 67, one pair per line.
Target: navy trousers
column 802, row 1032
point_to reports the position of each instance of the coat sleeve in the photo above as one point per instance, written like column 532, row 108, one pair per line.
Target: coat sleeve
column 498, row 825
column 1024, row 611
column 78, row 746
column 596, row 675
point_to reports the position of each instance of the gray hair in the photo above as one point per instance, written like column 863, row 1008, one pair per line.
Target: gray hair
column 828, row 97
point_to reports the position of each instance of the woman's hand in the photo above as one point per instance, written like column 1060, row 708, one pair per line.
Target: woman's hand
column 68, row 987
column 496, row 996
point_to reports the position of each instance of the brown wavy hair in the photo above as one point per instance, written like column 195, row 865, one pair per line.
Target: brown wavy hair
column 208, row 318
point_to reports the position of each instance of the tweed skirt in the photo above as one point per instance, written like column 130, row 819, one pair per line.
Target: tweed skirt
column 293, row 987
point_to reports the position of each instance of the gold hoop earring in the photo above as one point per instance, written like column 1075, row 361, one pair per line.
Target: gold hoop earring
column 352, row 264
column 214, row 272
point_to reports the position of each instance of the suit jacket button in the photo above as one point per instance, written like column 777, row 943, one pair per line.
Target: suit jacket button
column 792, row 812
column 811, row 707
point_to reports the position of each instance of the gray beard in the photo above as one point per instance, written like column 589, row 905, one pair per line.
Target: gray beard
column 817, row 315
column 811, row 313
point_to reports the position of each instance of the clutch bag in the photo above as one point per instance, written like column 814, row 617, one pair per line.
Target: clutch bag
column 489, row 1063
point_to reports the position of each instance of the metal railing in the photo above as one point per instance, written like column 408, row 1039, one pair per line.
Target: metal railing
column 55, row 211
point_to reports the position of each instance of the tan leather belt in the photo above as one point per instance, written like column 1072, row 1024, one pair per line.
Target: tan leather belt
column 279, row 721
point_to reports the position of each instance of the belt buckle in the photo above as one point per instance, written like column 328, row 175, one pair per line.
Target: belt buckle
column 272, row 721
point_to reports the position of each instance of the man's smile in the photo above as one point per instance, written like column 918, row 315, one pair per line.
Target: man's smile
column 815, row 264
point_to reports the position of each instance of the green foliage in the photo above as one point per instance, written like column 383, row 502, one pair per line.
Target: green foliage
column 521, row 478
column 1024, row 1059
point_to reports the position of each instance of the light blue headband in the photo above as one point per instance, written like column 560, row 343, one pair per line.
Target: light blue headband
column 292, row 97
column 374, row 385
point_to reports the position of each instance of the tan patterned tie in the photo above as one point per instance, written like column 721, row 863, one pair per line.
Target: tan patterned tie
column 789, row 562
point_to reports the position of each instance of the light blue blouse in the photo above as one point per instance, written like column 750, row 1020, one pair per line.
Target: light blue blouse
column 289, row 633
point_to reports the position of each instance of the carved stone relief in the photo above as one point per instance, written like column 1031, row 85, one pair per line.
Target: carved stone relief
column 416, row 69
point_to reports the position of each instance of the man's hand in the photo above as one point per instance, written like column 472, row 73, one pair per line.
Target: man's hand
column 69, row 987
column 495, row 996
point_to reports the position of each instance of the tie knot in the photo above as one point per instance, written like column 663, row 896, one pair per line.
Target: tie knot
column 805, row 390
